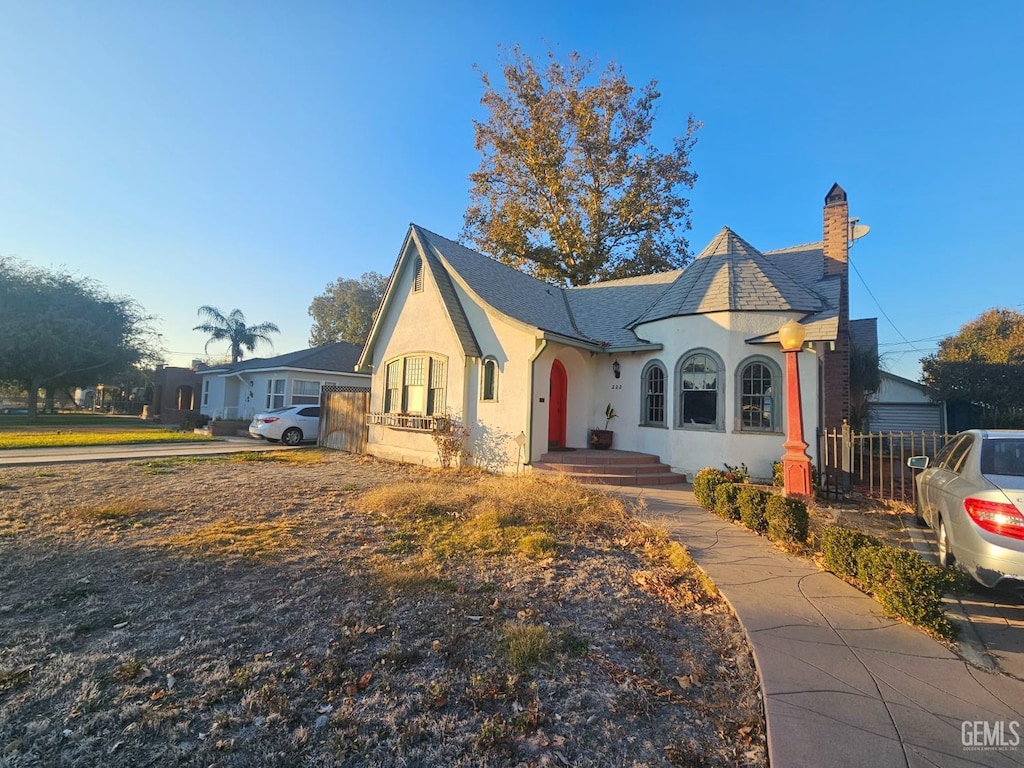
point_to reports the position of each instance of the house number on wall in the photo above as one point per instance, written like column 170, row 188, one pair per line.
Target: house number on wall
column 616, row 386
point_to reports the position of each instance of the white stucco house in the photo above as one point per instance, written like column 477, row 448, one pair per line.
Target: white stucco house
column 240, row 390
column 689, row 360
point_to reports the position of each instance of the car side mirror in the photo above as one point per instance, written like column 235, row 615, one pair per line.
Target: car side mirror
column 918, row 462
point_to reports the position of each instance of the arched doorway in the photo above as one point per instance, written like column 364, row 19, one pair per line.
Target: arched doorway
column 556, row 406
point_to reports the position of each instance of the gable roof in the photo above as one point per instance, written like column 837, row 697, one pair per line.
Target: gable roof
column 509, row 291
column 340, row 356
column 449, row 298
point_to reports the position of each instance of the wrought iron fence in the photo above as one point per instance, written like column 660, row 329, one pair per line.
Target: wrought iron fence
column 872, row 464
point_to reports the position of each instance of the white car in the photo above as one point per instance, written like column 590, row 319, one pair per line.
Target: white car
column 972, row 495
column 290, row 425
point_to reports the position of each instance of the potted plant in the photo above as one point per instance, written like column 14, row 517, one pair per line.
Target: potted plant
column 602, row 438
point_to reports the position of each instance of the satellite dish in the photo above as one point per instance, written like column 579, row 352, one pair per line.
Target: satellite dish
column 857, row 230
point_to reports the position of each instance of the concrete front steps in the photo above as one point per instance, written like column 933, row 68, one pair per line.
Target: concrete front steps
column 608, row 467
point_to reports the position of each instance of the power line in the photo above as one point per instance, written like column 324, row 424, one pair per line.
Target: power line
column 877, row 304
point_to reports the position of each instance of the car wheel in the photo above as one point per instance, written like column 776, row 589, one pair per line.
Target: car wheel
column 292, row 436
column 946, row 558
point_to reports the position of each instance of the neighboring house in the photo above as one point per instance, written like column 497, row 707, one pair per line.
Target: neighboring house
column 902, row 405
column 689, row 360
column 240, row 390
column 175, row 393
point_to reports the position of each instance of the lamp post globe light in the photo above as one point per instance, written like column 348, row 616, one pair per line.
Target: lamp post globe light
column 796, row 464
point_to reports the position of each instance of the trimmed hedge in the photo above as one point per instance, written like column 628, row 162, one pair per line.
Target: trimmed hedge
column 902, row 582
column 704, row 484
column 725, row 501
column 787, row 519
column 752, row 503
column 839, row 547
column 907, row 586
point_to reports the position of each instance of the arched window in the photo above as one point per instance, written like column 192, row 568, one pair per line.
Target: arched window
column 489, row 380
column 701, row 391
column 758, row 385
column 652, row 392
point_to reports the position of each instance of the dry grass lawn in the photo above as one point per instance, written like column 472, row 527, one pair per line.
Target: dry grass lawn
column 319, row 609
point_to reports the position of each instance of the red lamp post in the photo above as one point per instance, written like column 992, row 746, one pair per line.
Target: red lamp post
column 796, row 464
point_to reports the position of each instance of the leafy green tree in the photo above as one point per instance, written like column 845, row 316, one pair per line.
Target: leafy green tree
column 233, row 329
column 61, row 331
column 570, row 187
column 983, row 363
column 346, row 308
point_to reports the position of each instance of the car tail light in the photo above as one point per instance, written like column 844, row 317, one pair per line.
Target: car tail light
column 996, row 517
column 271, row 420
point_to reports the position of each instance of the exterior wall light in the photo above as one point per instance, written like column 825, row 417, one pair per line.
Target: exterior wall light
column 616, row 369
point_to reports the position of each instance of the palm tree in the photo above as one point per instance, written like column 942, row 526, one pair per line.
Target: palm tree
column 232, row 328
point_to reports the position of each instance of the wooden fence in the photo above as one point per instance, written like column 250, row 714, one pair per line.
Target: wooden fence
column 343, row 418
column 872, row 464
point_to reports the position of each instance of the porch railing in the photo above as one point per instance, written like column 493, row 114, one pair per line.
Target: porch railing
column 402, row 421
column 872, row 464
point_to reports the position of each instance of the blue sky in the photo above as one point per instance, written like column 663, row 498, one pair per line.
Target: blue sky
column 244, row 154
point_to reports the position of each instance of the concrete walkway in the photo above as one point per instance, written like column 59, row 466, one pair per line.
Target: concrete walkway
column 843, row 685
column 33, row 456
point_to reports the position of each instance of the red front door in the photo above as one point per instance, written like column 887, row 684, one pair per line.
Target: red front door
column 556, row 406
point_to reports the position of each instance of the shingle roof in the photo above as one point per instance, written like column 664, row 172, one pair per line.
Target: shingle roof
column 732, row 275
column 608, row 310
column 728, row 275
column 341, row 356
column 864, row 334
column 507, row 290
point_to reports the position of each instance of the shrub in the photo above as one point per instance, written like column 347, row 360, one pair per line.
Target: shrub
column 725, row 501
column 908, row 587
column 752, row 503
column 839, row 548
column 704, row 484
column 451, row 439
column 191, row 421
column 787, row 519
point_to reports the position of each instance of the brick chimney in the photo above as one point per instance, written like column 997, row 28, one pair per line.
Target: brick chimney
column 836, row 250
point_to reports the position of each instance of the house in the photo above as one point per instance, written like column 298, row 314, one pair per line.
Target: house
column 902, row 405
column 240, row 390
column 175, row 393
column 689, row 360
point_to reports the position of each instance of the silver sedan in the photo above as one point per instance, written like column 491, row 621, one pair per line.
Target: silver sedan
column 972, row 495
